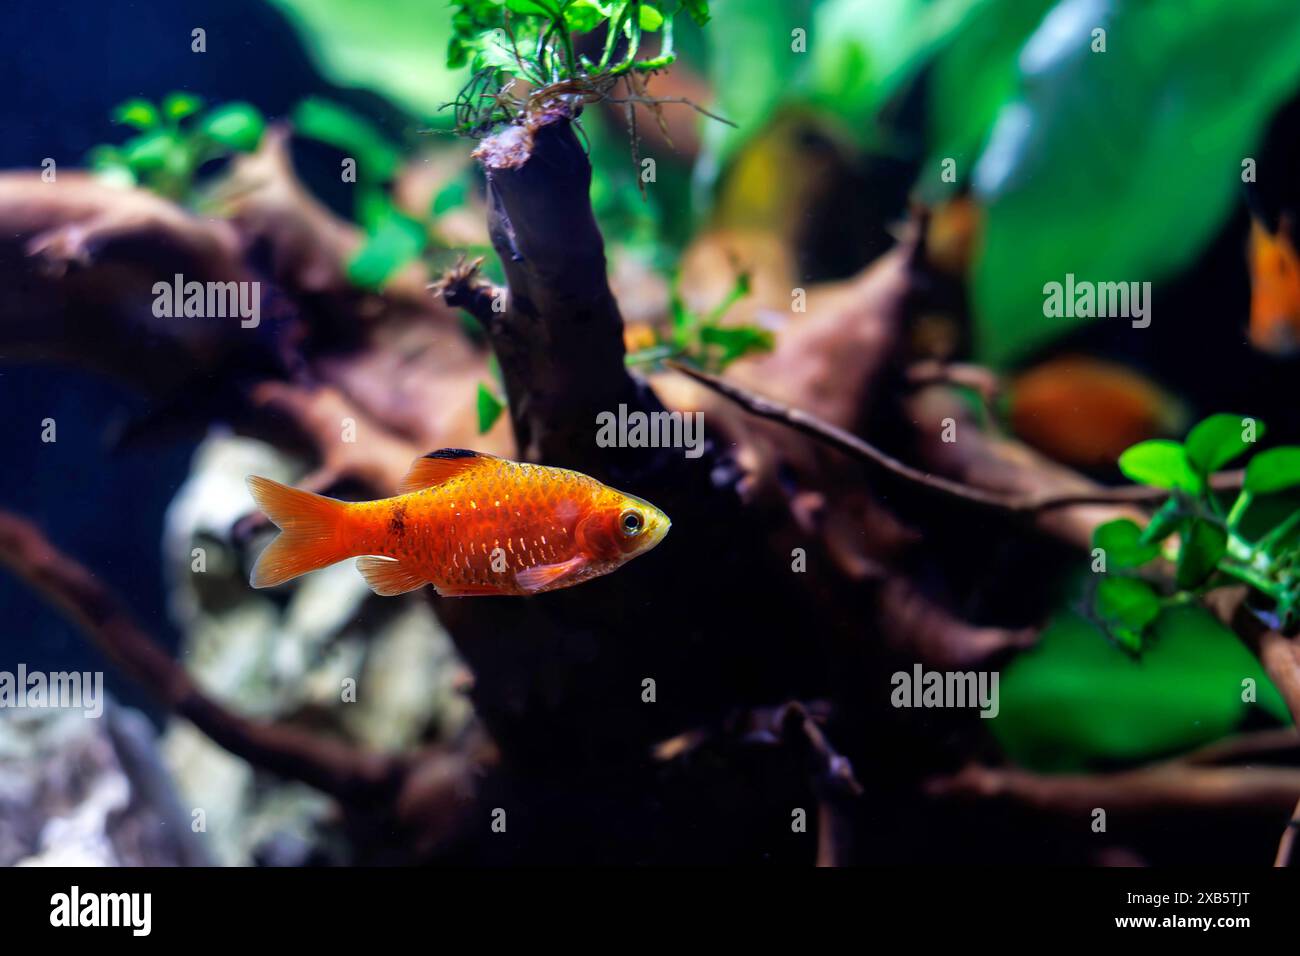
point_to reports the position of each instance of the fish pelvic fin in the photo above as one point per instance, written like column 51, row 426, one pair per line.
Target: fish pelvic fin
column 544, row 577
column 312, row 532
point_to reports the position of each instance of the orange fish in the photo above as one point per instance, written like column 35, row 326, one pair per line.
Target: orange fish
column 1085, row 411
column 1275, row 289
column 465, row 522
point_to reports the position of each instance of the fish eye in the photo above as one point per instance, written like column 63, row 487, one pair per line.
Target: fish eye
column 631, row 522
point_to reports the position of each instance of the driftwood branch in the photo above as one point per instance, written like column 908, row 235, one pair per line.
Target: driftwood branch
column 1027, row 506
column 560, row 339
column 329, row 765
column 1148, row 790
column 1286, row 846
column 797, row 726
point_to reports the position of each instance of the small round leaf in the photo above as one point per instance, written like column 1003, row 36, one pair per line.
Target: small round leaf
column 138, row 113
column 1128, row 602
column 1121, row 539
column 1161, row 464
column 1217, row 440
column 236, row 126
column 177, row 106
column 1274, row 470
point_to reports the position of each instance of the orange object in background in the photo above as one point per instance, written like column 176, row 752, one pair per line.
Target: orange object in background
column 953, row 236
column 638, row 336
column 1085, row 411
column 1274, row 289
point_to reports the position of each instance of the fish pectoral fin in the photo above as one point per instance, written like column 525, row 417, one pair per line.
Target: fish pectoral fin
column 545, row 576
column 388, row 576
column 440, row 466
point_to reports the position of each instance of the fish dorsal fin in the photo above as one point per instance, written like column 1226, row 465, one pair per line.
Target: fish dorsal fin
column 440, row 466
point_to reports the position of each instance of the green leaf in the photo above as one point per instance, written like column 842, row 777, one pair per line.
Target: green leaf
column 388, row 48
column 1132, row 110
column 489, row 409
column 451, row 196
column 752, row 70
column 650, row 18
column 736, row 341
column 1217, row 440
column 138, row 113
column 698, row 9
column 854, row 64
column 1167, row 519
column 1128, row 602
column 1161, row 464
column 236, row 126
column 1075, row 702
column 583, row 15
column 377, row 158
column 1203, row 545
column 495, row 50
column 150, row 151
column 1126, row 637
column 1274, row 470
column 177, row 106
column 1122, row 542
column 534, row 8
column 395, row 241
column 457, row 53
column 973, row 77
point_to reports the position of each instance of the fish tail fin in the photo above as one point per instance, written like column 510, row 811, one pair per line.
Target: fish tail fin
column 312, row 532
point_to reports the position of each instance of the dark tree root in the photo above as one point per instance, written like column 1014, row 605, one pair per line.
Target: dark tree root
column 559, row 678
column 560, row 338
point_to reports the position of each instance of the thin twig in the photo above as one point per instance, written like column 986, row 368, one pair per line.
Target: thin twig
column 1286, row 846
column 855, row 447
column 647, row 100
column 463, row 287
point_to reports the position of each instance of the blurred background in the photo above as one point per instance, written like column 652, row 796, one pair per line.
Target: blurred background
column 1027, row 152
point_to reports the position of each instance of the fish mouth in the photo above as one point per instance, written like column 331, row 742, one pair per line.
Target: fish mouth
column 656, row 531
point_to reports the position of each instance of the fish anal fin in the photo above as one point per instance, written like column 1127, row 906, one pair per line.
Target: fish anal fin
column 388, row 577
column 543, row 577
column 468, row 590
column 440, row 466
